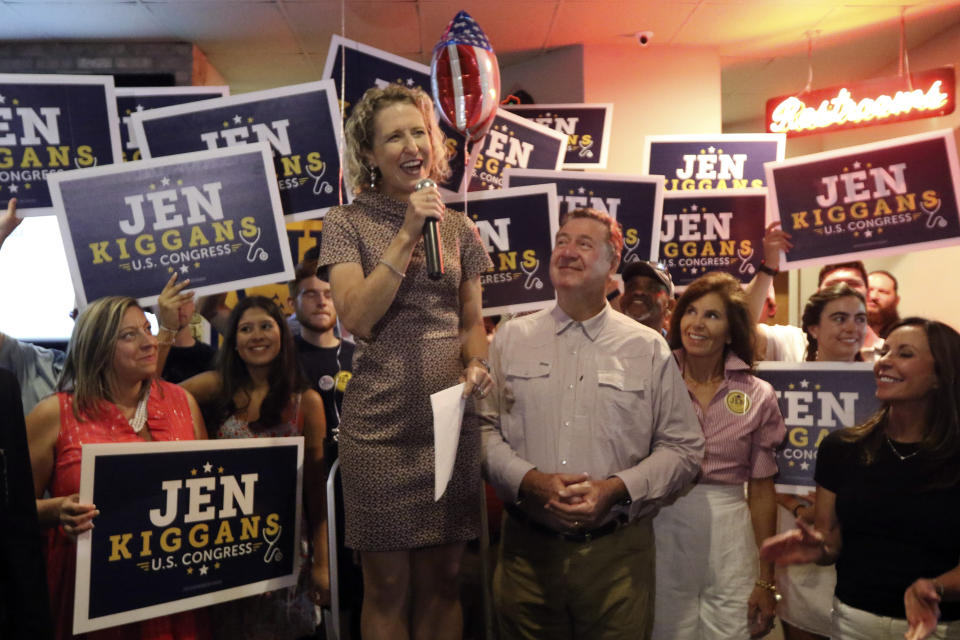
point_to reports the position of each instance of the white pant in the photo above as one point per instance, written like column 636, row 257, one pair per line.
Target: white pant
column 807, row 589
column 706, row 565
column 855, row 624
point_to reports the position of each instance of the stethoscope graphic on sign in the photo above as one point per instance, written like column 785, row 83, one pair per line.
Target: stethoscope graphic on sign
column 273, row 554
column 76, row 163
column 253, row 251
column 745, row 265
column 585, row 151
column 532, row 281
column 631, row 254
column 320, row 187
column 934, row 220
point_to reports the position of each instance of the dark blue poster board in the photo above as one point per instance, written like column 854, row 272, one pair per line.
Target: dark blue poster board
column 300, row 122
column 190, row 524
column 514, row 142
column 816, row 398
column 587, row 127
column 517, row 227
column 211, row 216
column 134, row 100
column 878, row 199
column 723, row 161
column 715, row 230
column 636, row 202
column 53, row 123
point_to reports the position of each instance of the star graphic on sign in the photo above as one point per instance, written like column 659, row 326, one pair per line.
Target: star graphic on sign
column 203, row 570
column 207, row 467
column 237, row 119
column 3, row 99
column 693, row 207
column 14, row 188
column 193, row 472
column 409, row 82
column 817, row 387
column 804, row 384
column 189, row 571
column 165, row 182
column 791, row 386
column 139, row 107
column 219, row 469
column 216, row 565
column 711, row 149
column 694, row 270
column 804, row 466
column 868, row 234
column 856, row 165
column 791, row 463
column 581, row 190
column 185, row 269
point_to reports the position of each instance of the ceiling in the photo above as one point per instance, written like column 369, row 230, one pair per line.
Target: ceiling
column 257, row 44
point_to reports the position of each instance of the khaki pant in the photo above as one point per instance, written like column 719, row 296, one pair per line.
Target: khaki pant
column 546, row 587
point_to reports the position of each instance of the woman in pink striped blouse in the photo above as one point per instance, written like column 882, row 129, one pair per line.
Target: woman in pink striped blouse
column 710, row 584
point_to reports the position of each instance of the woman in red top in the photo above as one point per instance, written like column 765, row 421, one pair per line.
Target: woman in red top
column 107, row 393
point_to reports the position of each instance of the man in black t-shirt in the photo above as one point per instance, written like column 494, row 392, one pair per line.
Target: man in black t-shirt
column 325, row 359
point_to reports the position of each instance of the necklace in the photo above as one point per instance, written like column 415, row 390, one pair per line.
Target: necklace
column 140, row 415
column 897, row 453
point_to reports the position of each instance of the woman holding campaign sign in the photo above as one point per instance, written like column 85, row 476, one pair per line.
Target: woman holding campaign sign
column 417, row 336
column 887, row 498
column 709, row 583
column 255, row 392
column 107, row 393
column 835, row 323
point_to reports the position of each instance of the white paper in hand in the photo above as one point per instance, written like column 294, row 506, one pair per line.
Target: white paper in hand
column 447, row 417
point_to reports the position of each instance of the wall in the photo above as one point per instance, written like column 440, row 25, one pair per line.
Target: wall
column 655, row 90
column 555, row 76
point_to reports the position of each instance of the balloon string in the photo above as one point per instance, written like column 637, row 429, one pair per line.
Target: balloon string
column 467, row 176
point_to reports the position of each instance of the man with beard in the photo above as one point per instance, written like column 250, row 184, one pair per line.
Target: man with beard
column 648, row 294
column 882, row 301
column 325, row 359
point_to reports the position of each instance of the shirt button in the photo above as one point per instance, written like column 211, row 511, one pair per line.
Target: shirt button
column 563, row 462
column 570, row 387
column 567, row 423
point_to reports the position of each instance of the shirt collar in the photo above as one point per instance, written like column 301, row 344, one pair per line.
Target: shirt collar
column 591, row 326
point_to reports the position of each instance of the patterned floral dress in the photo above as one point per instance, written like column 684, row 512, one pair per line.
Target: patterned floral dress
column 386, row 427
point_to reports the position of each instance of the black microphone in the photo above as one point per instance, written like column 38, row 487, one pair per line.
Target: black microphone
column 431, row 239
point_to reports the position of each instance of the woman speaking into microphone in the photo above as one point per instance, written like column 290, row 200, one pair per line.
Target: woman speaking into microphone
column 417, row 335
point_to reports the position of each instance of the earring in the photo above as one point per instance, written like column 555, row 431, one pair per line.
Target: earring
column 373, row 177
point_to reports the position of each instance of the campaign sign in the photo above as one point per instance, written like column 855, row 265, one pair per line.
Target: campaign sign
column 636, row 202
column 587, row 127
column 368, row 67
column 52, row 123
column 184, row 525
column 517, row 227
column 134, row 100
column 815, row 399
column 712, row 230
column 877, row 199
column 722, row 161
column 211, row 216
column 514, row 141
column 300, row 122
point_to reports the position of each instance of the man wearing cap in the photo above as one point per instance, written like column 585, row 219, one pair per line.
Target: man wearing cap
column 588, row 429
column 648, row 294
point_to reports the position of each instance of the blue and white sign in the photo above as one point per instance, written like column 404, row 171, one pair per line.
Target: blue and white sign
column 517, row 227
column 587, row 127
column 211, row 216
column 636, row 202
column 514, row 142
column 816, row 398
column 877, row 199
column 53, row 123
column 368, row 67
column 712, row 230
column 300, row 122
column 135, row 99
column 722, row 161
column 192, row 523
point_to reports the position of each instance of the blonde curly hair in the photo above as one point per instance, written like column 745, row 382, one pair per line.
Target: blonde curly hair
column 359, row 133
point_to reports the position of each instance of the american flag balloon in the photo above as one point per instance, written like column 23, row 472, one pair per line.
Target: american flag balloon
column 465, row 78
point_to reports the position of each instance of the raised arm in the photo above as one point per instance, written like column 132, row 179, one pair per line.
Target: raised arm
column 171, row 299
column 775, row 240
column 361, row 301
column 9, row 220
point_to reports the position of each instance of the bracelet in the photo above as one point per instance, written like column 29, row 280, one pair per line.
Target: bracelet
column 173, row 331
column 483, row 363
column 769, row 586
column 393, row 268
column 770, row 271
